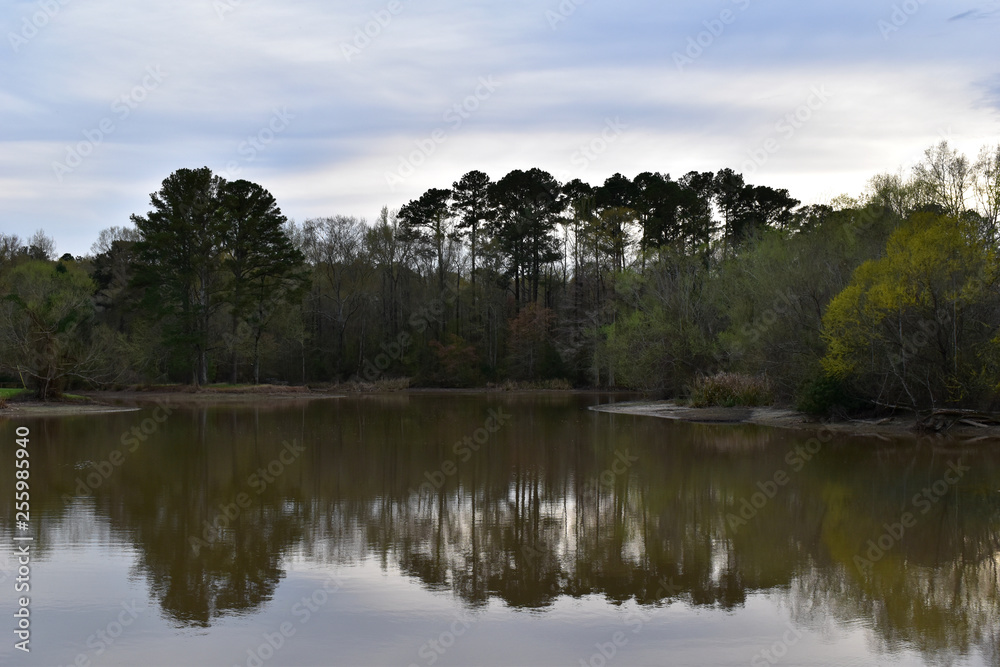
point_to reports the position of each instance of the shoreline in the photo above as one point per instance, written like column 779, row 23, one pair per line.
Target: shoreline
column 108, row 402
column 887, row 428
column 130, row 400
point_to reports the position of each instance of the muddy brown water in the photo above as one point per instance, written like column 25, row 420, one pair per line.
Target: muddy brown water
column 494, row 529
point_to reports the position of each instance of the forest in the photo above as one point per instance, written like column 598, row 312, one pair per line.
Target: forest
column 704, row 286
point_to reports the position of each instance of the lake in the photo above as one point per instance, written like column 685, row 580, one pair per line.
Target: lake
column 492, row 529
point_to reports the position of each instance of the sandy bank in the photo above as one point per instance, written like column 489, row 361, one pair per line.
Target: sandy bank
column 886, row 428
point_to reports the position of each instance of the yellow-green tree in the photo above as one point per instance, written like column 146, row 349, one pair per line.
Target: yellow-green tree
column 47, row 337
column 917, row 326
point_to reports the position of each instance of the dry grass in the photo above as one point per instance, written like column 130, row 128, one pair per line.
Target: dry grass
column 514, row 385
column 257, row 389
column 731, row 390
column 382, row 385
column 218, row 389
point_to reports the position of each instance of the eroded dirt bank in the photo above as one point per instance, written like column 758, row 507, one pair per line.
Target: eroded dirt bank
column 890, row 427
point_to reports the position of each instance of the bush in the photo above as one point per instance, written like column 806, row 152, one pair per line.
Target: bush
column 826, row 395
column 731, row 390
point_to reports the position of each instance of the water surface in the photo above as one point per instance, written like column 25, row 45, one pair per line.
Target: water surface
column 459, row 529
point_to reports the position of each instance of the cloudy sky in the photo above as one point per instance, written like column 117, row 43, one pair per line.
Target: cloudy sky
column 345, row 107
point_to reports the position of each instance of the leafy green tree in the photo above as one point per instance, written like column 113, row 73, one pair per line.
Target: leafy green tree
column 526, row 206
column 698, row 227
column 748, row 210
column 730, row 197
column 470, row 203
column 917, row 327
column 260, row 265
column 425, row 220
column 663, row 336
column 532, row 355
column 657, row 201
column 770, row 208
column 112, row 268
column 179, row 262
column 46, row 328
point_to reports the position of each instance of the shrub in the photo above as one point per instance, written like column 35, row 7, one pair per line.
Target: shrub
column 731, row 390
column 826, row 395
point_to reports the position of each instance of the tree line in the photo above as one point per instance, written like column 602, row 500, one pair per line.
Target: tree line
column 647, row 282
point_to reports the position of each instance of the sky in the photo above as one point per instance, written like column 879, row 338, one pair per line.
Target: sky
column 346, row 107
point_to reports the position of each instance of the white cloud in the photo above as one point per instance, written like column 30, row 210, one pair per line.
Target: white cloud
column 354, row 119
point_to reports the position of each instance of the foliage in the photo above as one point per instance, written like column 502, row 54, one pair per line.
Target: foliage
column 914, row 326
column 825, row 395
column 532, row 354
column 47, row 337
column 207, row 244
column 647, row 282
column 457, row 363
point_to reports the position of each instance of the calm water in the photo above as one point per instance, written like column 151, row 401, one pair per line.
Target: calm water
column 471, row 529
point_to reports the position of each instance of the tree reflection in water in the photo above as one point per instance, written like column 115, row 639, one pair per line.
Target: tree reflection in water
column 542, row 511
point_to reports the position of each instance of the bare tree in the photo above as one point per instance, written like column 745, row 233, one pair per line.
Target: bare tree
column 987, row 189
column 944, row 178
column 41, row 246
column 106, row 238
column 335, row 246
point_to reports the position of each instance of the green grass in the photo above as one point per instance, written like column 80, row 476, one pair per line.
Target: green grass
column 22, row 394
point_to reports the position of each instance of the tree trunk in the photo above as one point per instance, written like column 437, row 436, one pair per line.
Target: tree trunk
column 235, row 342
